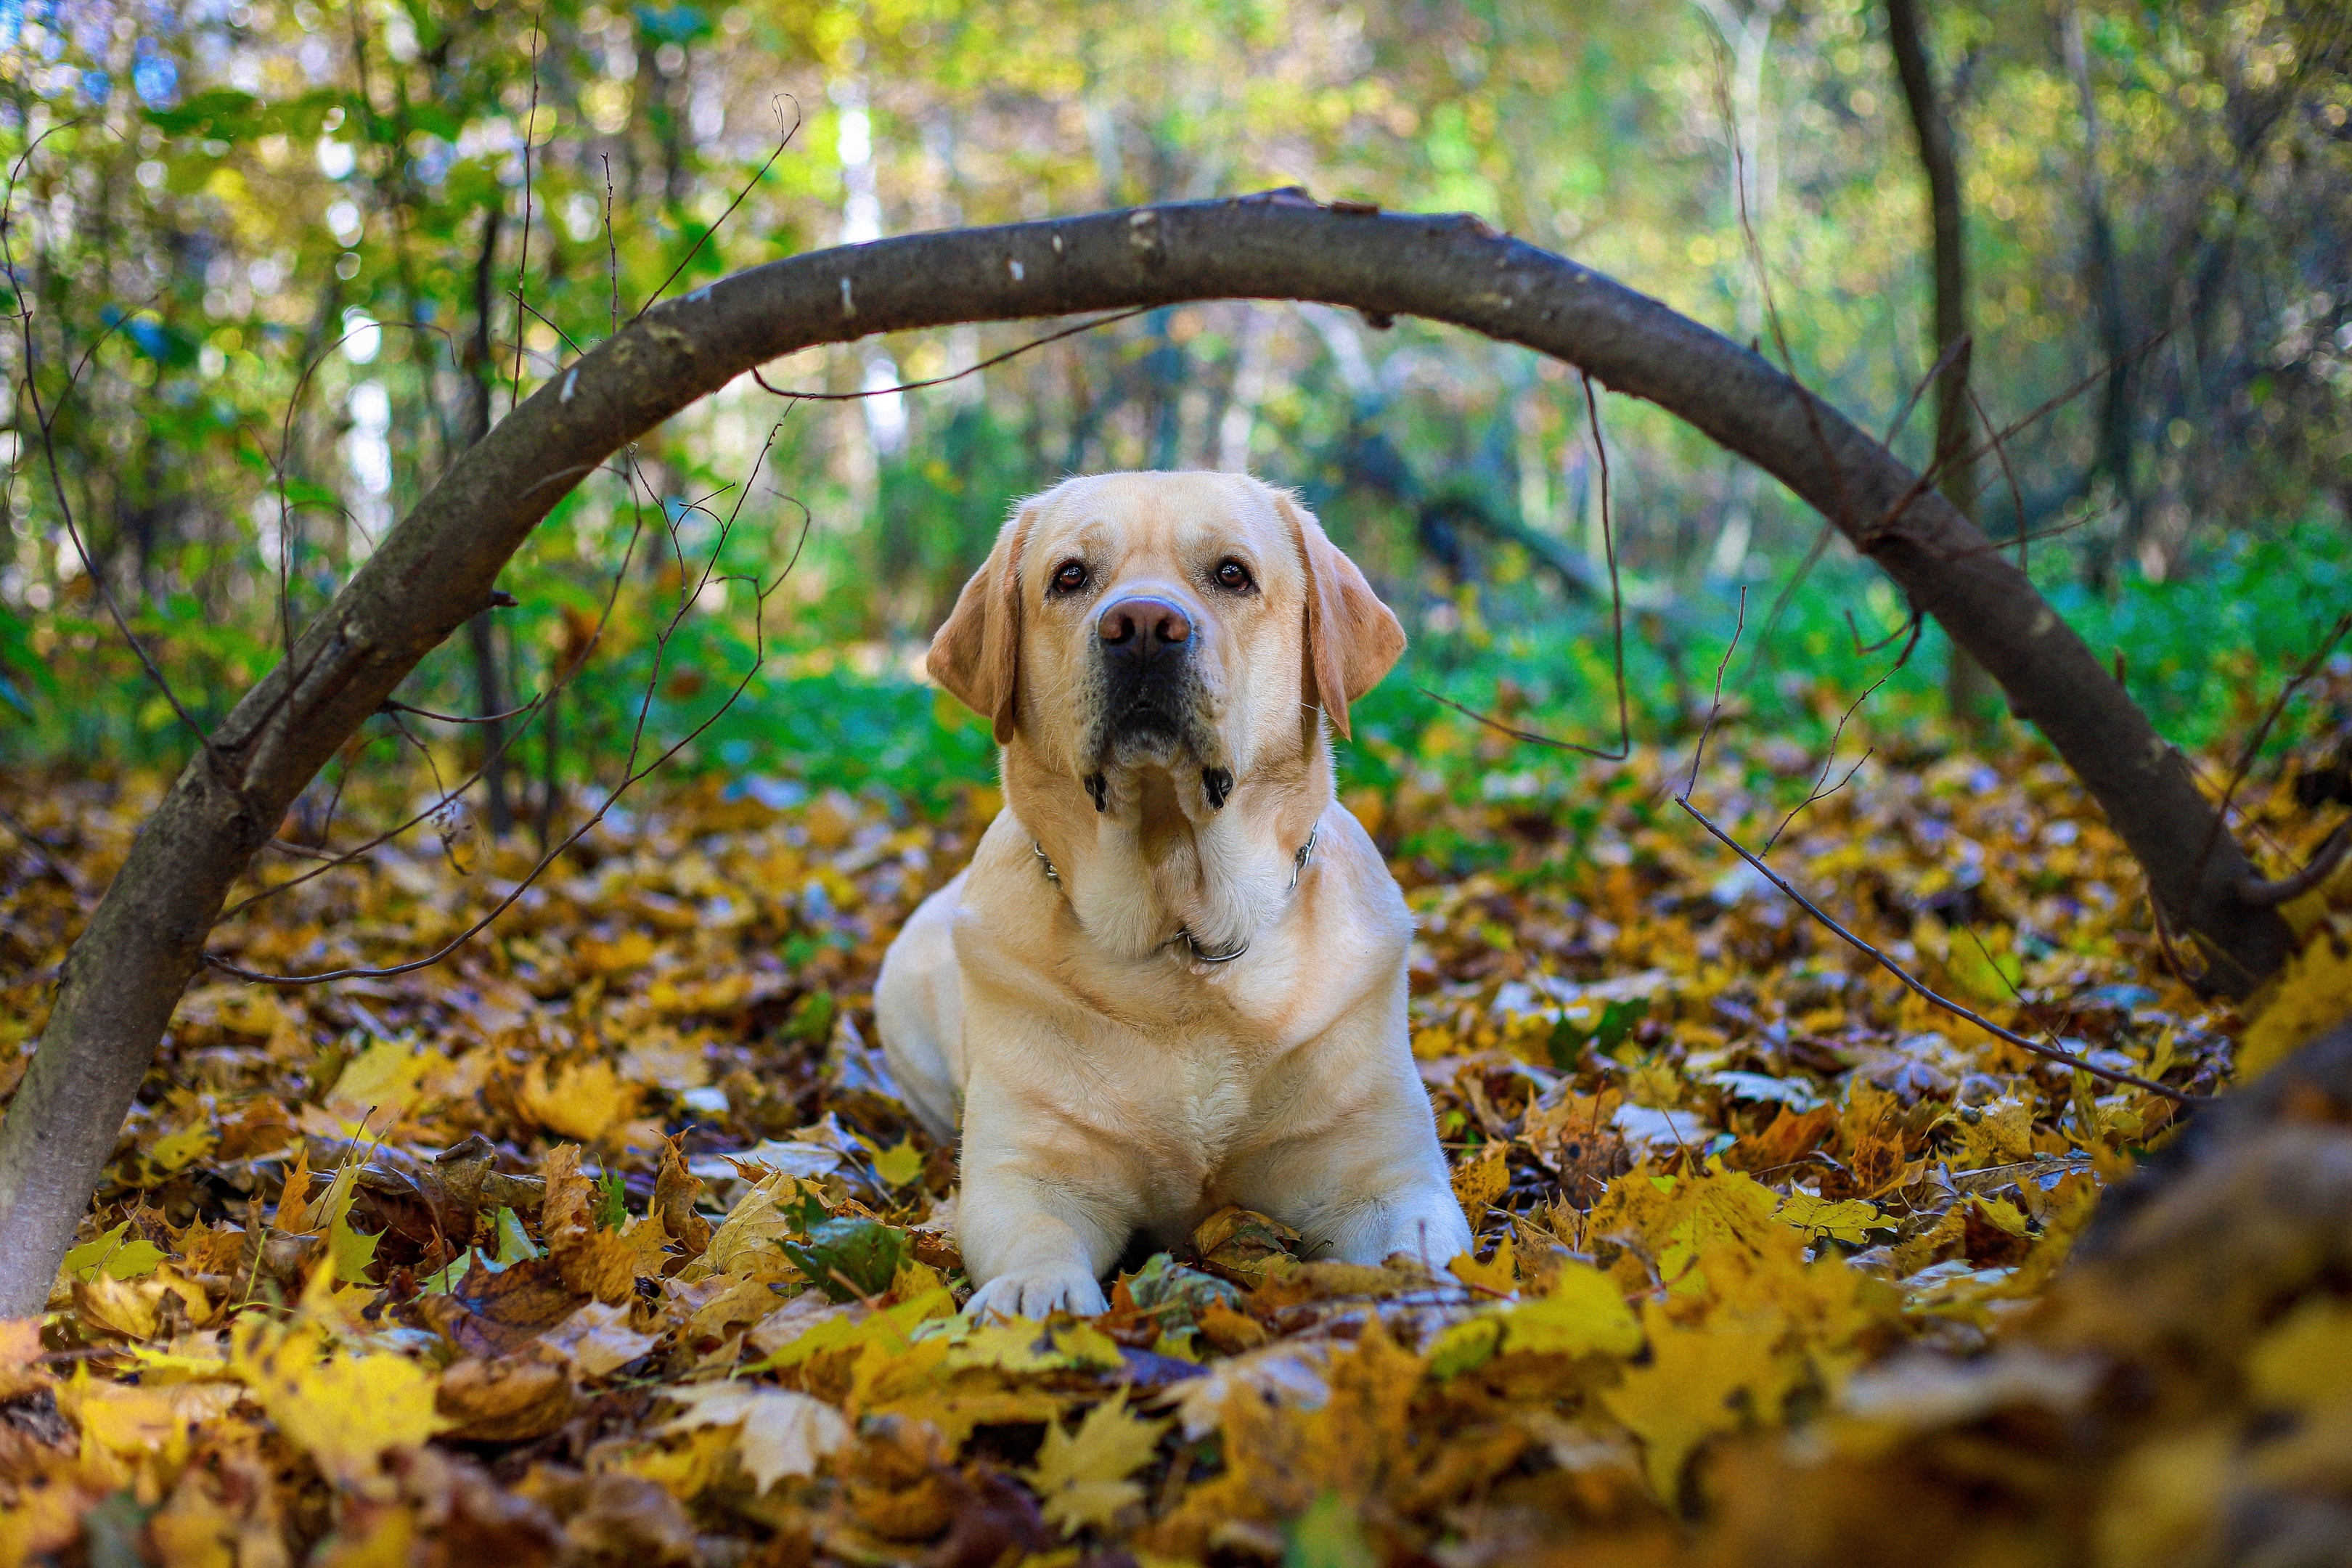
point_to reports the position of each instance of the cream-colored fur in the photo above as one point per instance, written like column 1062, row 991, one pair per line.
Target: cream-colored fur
column 1107, row 1079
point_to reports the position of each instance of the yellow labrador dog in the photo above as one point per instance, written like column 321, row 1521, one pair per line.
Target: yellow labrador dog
column 1173, row 976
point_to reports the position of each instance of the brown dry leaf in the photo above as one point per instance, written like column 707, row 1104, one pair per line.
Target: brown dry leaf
column 1239, row 1244
column 675, row 1191
column 490, row 1314
column 505, row 1400
column 594, row 1262
column 1678, row 1348
column 1480, row 1179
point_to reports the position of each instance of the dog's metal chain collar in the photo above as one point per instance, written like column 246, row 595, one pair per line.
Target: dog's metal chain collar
column 1297, row 869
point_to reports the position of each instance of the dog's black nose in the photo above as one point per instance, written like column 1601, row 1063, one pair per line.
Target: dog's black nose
column 1142, row 627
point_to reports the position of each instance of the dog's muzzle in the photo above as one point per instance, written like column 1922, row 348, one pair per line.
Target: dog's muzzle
column 1147, row 646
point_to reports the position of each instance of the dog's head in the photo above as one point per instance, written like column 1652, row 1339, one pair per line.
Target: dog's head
column 1188, row 622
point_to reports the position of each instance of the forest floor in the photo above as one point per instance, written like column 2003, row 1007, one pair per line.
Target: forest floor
column 605, row 1240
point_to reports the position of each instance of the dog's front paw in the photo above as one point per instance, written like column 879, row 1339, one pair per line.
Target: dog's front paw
column 1035, row 1292
column 1432, row 1235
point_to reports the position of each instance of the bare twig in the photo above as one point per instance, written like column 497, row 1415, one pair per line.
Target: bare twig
column 1625, row 747
column 1952, row 350
column 1909, row 624
column 522, row 254
column 2001, row 450
column 1053, row 337
column 2254, row 747
column 530, row 709
column 1918, row 986
column 1715, row 707
column 782, row 141
column 45, row 421
column 1829, row 758
column 633, row 774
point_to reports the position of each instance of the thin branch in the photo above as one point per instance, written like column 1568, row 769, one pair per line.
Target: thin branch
column 568, row 340
column 389, row 706
column 45, row 421
column 1053, row 337
column 1829, row 760
column 1909, row 624
column 1952, row 350
column 1918, row 987
column 1715, row 707
column 522, row 253
column 2254, row 747
column 749, row 185
column 2000, row 448
column 563, row 679
column 1625, row 747
column 633, row 774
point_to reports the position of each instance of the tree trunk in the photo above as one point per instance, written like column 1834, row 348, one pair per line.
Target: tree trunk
column 1968, row 689
column 438, row 566
column 2108, row 290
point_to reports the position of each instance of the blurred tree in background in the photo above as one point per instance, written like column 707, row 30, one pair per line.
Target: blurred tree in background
column 275, row 264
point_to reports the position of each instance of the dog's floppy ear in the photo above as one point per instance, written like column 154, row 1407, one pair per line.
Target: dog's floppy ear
column 1352, row 639
column 977, row 653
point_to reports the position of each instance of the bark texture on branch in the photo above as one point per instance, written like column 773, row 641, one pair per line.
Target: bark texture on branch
column 438, row 567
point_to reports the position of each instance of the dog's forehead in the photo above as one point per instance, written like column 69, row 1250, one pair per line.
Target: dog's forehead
column 1140, row 515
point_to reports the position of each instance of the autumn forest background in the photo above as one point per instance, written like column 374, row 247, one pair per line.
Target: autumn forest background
column 609, row 1209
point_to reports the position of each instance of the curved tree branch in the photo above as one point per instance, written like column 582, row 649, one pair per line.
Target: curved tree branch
column 440, row 564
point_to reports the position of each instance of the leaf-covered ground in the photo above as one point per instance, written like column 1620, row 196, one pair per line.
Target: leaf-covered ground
column 606, row 1241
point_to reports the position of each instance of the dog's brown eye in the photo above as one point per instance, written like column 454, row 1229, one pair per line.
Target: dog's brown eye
column 1233, row 575
column 1070, row 576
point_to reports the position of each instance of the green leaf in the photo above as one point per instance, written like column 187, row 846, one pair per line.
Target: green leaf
column 1328, row 1535
column 1464, row 1347
column 223, row 114
column 446, row 1279
column 1618, row 1019
column 120, row 1258
column 612, row 1202
column 515, row 1245
column 353, row 1252
column 850, row 1258
column 812, row 1018
column 1566, row 1045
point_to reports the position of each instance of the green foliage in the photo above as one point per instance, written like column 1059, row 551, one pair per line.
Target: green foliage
column 849, row 1257
column 272, row 277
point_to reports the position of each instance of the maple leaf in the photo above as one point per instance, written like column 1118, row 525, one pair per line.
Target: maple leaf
column 1480, row 1179
column 1081, row 1476
column 594, row 1262
column 782, row 1432
column 385, row 1082
column 1499, row 1274
column 1698, row 1381
column 2313, row 993
column 899, row 1164
column 1850, row 1220
column 1583, row 1314
column 345, row 1411
column 598, row 1339
column 586, row 1101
